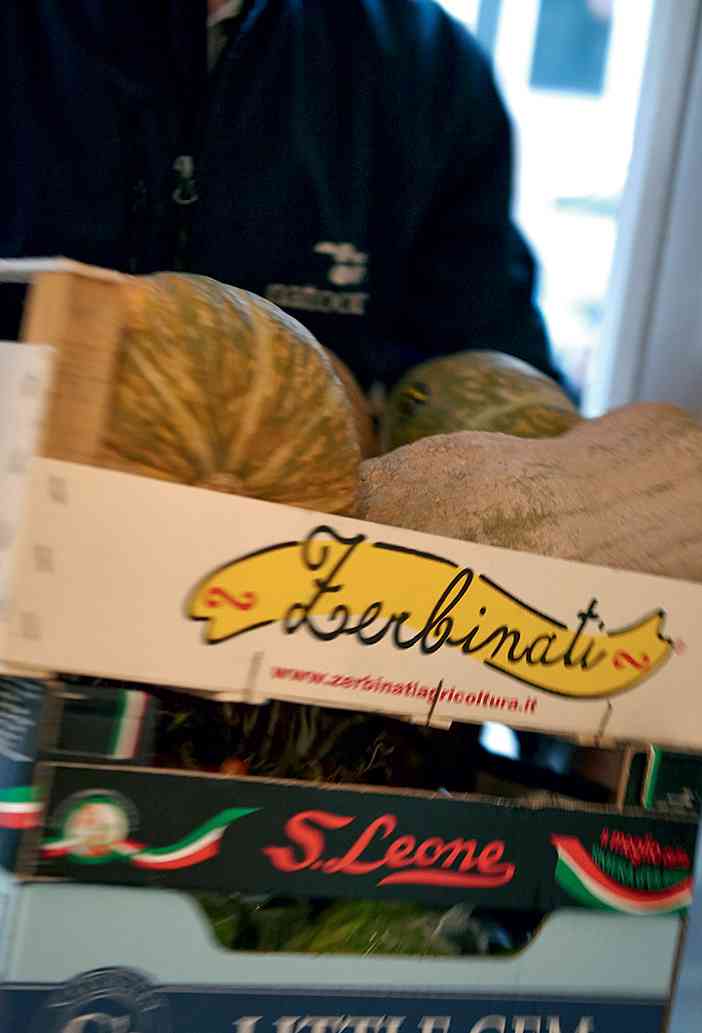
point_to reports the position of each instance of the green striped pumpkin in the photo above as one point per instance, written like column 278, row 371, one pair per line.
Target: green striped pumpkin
column 476, row 390
column 217, row 388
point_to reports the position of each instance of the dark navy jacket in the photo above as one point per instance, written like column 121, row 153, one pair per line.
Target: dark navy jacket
column 352, row 162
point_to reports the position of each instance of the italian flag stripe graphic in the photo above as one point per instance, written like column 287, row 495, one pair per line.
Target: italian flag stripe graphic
column 20, row 808
column 200, row 849
column 128, row 725
column 200, row 845
column 56, row 847
column 579, row 876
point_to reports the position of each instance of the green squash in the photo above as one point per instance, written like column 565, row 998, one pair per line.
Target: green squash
column 476, row 390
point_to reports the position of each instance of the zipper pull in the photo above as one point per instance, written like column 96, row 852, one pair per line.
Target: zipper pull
column 185, row 192
column 138, row 222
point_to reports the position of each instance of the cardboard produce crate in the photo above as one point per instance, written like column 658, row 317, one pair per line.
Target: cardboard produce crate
column 120, row 576
column 88, row 957
column 101, row 960
column 92, row 807
column 114, row 576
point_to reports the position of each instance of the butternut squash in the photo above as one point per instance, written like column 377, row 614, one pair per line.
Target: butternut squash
column 622, row 491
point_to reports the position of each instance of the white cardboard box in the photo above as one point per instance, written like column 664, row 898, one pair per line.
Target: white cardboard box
column 119, row 576
column 114, row 574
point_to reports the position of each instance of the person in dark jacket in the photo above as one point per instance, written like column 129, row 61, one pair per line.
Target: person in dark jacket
column 350, row 160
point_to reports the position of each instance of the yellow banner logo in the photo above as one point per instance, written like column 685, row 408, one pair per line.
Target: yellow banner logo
column 331, row 586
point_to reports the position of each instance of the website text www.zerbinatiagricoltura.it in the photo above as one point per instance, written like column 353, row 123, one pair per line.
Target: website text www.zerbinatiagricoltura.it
column 408, row 689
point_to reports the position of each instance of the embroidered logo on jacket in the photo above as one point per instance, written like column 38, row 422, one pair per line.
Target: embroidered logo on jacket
column 349, row 268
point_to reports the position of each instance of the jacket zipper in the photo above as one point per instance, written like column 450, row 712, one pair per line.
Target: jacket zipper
column 139, row 211
column 201, row 116
column 185, row 196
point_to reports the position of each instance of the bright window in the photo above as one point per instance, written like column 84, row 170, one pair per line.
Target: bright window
column 570, row 72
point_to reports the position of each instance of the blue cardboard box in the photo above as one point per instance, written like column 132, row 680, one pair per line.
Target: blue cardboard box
column 94, row 959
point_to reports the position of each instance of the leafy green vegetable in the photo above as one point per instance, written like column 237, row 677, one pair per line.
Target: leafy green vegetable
column 227, row 916
column 277, row 921
column 317, row 744
column 373, row 927
column 279, row 924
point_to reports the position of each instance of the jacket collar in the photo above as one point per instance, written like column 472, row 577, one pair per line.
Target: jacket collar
column 230, row 9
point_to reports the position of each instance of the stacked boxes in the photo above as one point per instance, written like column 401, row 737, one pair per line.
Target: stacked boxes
column 112, row 576
column 101, row 924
